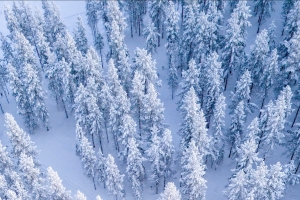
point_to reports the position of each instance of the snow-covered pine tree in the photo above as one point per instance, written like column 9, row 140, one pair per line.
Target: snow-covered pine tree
column 247, row 155
column 170, row 192
column 11, row 21
column 16, row 189
column 168, row 149
column 151, row 35
column 136, row 11
column 32, row 177
column 235, row 132
column 293, row 145
column 152, row 112
column 213, row 85
column 80, row 37
column 238, row 187
column 268, row 76
column 135, row 168
column 101, row 167
column 127, row 130
column 233, row 52
column 88, row 158
column 105, row 100
column 154, row 154
column 190, row 78
column 286, row 8
column 193, row 185
column 56, row 189
column 20, row 141
column 291, row 27
column 120, row 105
column 144, row 64
column 186, row 51
column 54, row 26
column 276, row 182
column 290, row 63
column 5, row 161
column 272, row 37
column 137, row 96
column 157, row 13
column 193, row 126
column 218, row 126
column 172, row 45
column 79, row 196
column 258, row 55
column 262, row 9
column 98, row 197
column 259, row 181
column 242, row 93
column 114, row 180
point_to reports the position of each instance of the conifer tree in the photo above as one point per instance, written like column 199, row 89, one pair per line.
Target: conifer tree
column 15, row 186
column 291, row 25
column 100, row 168
column 80, row 37
column 88, row 158
column 56, row 189
column 170, row 192
column 262, row 9
column 79, row 196
column 192, row 182
column 235, row 132
column 286, row 8
column 144, row 64
column 218, row 125
column 32, row 177
column 114, row 180
column 167, row 157
column 238, row 187
column 135, row 168
column 20, row 141
column 151, row 35
column 293, row 145
column 5, row 161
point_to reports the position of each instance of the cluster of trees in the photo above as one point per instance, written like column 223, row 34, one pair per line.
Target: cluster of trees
column 123, row 106
column 21, row 175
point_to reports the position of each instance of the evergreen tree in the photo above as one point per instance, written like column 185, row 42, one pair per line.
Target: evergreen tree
column 233, row 53
column 213, row 87
column 170, row 192
column 114, row 180
column 218, row 125
column 136, row 12
column 32, row 178
column 190, row 78
column 80, row 196
column 157, row 14
column 56, row 189
column 88, row 158
column 135, row 168
column 276, row 182
column 259, row 181
column 258, row 56
column 154, row 154
column 167, row 157
column 5, row 161
column 291, row 26
column 194, row 124
column 101, row 167
column 192, row 182
column 271, row 34
column 293, row 145
column 144, row 64
column 286, row 8
column 80, row 37
column 238, row 187
column 242, row 93
column 54, row 26
column 153, row 112
column 235, row 132
column 262, row 9
column 20, row 141
column 15, row 186
column 151, row 35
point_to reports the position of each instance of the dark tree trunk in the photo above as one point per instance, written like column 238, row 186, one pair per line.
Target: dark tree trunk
column 295, row 116
column 64, row 105
column 1, row 108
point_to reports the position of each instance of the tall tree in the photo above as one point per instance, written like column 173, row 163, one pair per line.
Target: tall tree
column 192, row 182
column 151, row 35
column 80, row 37
column 170, row 192
column 262, row 9
column 114, row 180
column 56, row 189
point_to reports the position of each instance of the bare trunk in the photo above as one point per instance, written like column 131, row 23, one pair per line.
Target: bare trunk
column 64, row 105
column 94, row 183
column 262, row 104
column 1, row 108
column 295, row 116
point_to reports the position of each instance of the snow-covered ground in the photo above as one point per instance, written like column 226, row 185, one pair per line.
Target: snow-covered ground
column 57, row 147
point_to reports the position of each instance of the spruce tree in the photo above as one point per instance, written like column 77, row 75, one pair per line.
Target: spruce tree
column 262, row 9
column 80, row 37
column 151, row 35
column 170, row 192
column 114, row 180
column 193, row 185
column 56, row 189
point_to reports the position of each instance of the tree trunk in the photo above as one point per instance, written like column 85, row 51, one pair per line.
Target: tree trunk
column 100, row 141
column 262, row 104
column 5, row 96
column 295, row 116
column 94, row 183
column 64, row 105
column 226, row 81
column 1, row 108
column 105, row 124
column 93, row 140
column 230, row 152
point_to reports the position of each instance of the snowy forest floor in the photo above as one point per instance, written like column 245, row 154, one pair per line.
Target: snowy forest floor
column 57, row 147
